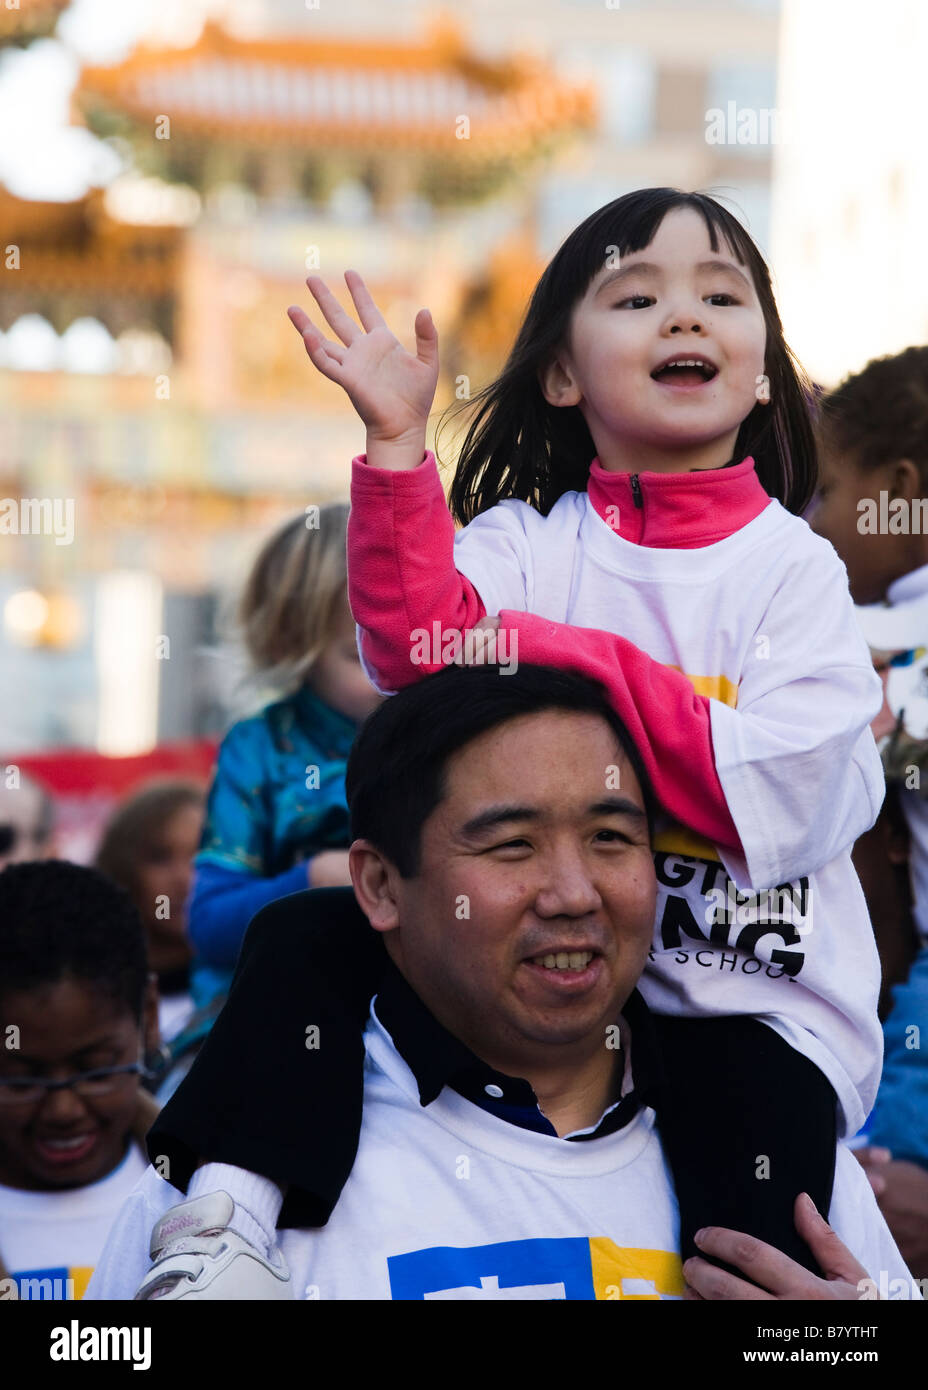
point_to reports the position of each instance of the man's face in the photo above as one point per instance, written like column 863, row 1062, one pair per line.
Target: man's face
column 534, row 855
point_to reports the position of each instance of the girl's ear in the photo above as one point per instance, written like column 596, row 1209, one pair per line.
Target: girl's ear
column 558, row 385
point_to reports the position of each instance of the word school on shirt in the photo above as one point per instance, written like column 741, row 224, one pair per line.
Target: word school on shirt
column 76, row 1343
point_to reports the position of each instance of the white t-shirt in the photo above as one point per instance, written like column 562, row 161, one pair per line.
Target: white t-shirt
column 762, row 623
column 447, row 1201
column 51, row 1241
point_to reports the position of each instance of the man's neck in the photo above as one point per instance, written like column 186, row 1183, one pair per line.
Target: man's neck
column 574, row 1098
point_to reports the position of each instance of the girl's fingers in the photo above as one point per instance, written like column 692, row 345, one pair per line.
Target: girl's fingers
column 299, row 318
column 426, row 339
column 368, row 313
column 312, row 338
column 335, row 316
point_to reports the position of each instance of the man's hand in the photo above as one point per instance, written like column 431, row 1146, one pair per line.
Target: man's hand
column 904, row 1203
column 783, row 1278
column 875, row 1163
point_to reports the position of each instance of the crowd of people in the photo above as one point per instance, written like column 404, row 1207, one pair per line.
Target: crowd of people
column 570, row 1050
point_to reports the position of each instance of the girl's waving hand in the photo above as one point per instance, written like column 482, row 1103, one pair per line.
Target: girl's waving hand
column 391, row 389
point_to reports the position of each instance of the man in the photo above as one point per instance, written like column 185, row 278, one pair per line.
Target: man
column 502, row 853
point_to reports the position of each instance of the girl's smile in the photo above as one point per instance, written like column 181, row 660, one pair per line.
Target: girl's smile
column 664, row 352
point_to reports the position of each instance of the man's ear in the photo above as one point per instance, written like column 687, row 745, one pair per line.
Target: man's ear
column 374, row 878
column 151, row 1032
column 557, row 383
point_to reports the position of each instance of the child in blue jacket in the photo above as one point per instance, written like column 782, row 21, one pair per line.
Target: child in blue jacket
column 276, row 818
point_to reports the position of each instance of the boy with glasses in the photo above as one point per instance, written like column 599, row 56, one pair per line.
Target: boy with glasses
column 78, row 1016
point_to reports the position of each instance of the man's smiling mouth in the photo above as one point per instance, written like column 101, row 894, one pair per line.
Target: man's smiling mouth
column 564, row 960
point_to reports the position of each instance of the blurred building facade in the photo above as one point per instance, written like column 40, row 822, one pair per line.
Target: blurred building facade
column 444, row 157
column 851, row 186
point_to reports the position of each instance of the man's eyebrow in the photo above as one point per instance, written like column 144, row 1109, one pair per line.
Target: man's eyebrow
column 648, row 270
column 495, row 816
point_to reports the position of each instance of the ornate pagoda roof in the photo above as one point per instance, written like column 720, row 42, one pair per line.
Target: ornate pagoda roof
column 341, row 93
column 74, row 258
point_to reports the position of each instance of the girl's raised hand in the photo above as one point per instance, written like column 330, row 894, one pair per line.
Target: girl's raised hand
column 391, row 389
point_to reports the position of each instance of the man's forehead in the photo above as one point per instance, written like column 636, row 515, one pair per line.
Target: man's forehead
column 569, row 776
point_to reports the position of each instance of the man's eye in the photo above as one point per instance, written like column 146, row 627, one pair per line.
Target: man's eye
column 615, row 834
column 510, row 844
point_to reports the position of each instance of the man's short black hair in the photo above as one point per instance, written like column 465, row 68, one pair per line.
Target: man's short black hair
column 63, row 921
column 395, row 774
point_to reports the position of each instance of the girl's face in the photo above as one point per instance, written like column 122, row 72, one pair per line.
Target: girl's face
column 164, row 876
column 64, row 1139
column 337, row 675
column 676, row 299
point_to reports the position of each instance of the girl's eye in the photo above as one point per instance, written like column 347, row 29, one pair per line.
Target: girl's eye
column 639, row 300
column 730, row 299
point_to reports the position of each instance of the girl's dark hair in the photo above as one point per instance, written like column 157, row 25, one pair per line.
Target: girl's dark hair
column 517, row 445
column 137, row 824
column 64, row 921
column 396, row 769
column 880, row 414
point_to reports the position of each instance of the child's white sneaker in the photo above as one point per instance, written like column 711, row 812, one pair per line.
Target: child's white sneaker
column 196, row 1255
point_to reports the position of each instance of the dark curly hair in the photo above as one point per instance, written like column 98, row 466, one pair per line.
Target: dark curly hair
column 61, row 921
column 880, row 414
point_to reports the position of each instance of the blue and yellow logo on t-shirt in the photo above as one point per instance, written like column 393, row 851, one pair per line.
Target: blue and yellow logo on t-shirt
column 571, row 1268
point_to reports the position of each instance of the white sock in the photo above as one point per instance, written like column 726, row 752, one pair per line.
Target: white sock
column 257, row 1200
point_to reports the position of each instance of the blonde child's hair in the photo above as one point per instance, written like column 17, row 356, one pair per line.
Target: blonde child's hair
column 292, row 596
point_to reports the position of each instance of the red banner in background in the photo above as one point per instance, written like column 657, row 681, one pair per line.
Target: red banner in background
column 86, row 786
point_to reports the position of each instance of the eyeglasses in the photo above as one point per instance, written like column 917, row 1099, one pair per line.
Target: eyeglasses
column 89, row 1085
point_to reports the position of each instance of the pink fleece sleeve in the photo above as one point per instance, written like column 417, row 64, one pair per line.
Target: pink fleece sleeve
column 401, row 572
column 668, row 722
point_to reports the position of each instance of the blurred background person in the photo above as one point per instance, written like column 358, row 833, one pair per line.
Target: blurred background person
column 75, row 987
column 277, row 818
column 26, row 818
column 148, row 848
column 874, row 436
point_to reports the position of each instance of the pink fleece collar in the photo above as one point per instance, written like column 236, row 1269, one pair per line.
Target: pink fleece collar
column 678, row 511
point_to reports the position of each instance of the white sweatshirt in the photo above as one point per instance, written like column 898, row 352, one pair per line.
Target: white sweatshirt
column 448, row 1201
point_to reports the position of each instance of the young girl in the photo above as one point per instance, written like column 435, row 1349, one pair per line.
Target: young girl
column 80, row 1016
column 147, row 848
column 631, row 486
column 276, row 818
